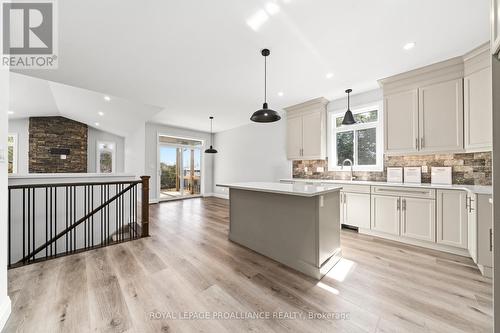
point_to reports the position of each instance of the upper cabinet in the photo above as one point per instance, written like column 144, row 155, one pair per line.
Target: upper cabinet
column 401, row 116
column 495, row 26
column 444, row 107
column 306, row 130
column 478, row 99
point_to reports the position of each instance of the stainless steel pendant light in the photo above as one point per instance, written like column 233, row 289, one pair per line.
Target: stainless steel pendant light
column 265, row 115
column 211, row 150
column 348, row 117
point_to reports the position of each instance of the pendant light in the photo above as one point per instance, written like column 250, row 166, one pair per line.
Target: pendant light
column 265, row 115
column 348, row 117
column 211, row 150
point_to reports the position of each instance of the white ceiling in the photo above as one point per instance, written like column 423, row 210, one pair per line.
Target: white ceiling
column 33, row 97
column 195, row 58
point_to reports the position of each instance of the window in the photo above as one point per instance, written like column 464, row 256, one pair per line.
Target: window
column 106, row 157
column 361, row 142
column 12, row 153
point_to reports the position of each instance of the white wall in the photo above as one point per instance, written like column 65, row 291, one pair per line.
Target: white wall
column 4, row 104
column 94, row 136
column 151, row 155
column 21, row 128
column 254, row 152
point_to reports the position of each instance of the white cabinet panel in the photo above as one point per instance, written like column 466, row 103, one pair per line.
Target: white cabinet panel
column 357, row 210
column 401, row 122
column 294, row 137
column 441, row 116
column 385, row 214
column 418, row 218
column 452, row 224
column 484, row 231
column 312, row 135
column 478, row 108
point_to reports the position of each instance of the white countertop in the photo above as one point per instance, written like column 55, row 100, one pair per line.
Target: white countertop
column 303, row 190
column 477, row 189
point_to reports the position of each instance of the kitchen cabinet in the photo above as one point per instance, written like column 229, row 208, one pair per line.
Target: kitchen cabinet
column 306, row 130
column 452, row 218
column 385, row 214
column 418, row 218
column 484, row 216
column 401, row 122
column 441, row 116
column 355, row 209
column 477, row 99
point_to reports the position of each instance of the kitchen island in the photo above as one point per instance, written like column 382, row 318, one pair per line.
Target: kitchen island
column 297, row 225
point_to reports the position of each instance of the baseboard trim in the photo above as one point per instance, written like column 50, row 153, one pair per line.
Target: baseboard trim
column 5, row 308
column 217, row 195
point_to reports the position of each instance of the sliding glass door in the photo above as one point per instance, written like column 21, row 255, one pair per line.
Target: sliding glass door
column 180, row 172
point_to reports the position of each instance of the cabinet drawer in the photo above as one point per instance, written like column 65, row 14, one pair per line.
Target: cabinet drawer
column 355, row 188
column 405, row 191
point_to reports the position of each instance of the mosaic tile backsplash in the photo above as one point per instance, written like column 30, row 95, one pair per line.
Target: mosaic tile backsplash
column 467, row 168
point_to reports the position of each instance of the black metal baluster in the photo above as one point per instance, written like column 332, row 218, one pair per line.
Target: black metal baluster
column 75, row 201
column 29, row 223
column 85, row 213
column 52, row 253
column 34, row 214
column 107, row 220
column 47, row 221
column 92, row 208
column 66, row 219
column 55, row 218
column 8, row 226
column 116, row 212
column 24, row 223
column 102, row 219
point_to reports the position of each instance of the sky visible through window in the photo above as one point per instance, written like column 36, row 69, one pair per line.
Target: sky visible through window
column 167, row 156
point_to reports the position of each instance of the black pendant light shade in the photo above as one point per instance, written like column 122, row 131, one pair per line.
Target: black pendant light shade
column 265, row 115
column 348, row 117
column 211, row 150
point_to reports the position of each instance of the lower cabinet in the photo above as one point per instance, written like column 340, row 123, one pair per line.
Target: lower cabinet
column 452, row 218
column 386, row 214
column 418, row 218
column 484, row 217
column 355, row 209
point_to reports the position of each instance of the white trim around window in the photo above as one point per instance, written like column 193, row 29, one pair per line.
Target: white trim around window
column 332, row 131
column 15, row 157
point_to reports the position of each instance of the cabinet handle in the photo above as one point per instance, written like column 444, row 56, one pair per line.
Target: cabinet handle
column 491, row 240
column 404, row 204
column 421, row 143
column 416, row 143
column 467, row 203
column 399, row 204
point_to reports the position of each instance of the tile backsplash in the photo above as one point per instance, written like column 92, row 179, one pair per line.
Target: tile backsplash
column 467, row 168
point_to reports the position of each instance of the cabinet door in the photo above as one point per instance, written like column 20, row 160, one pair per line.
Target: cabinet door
column 357, row 210
column 385, row 214
column 477, row 108
column 401, row 122
column 484, row 231
column 441, row 117
column 294, row 137
column 418, row 219
column 311, row 135
column 452, row 215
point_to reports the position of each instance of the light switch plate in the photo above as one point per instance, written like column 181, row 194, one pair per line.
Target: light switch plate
column 320, row 169
column 425, row 169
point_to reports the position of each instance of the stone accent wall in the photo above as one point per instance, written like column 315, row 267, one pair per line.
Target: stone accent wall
column 467, row 168
column 57, row 132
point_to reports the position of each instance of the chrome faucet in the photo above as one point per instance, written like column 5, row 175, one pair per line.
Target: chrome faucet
column 350, row 164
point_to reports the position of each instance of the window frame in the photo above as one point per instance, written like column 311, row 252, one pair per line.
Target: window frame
column 15, row 156
column 98, row 156
column 332, row 131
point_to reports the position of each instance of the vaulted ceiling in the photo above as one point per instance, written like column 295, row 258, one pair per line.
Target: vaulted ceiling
column 195, row 58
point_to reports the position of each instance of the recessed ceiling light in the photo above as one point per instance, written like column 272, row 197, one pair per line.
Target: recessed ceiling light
column 10, row 112
column 329, row 75
column 97, row 124
column 272, row 8
column 107, row 98
column 257, row 19
column 100, row 113
column 280, row 94
column 409, row 46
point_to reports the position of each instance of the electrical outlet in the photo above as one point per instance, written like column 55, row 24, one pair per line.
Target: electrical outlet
column 320, row 169
column 306, row 168
column 425, row 169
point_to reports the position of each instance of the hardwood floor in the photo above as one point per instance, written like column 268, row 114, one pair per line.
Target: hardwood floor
column 188, row 265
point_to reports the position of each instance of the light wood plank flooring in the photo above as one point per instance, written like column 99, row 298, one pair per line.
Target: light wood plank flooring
column 188, row 265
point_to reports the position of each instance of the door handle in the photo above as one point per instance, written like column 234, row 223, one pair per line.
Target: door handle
column 491, row 240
